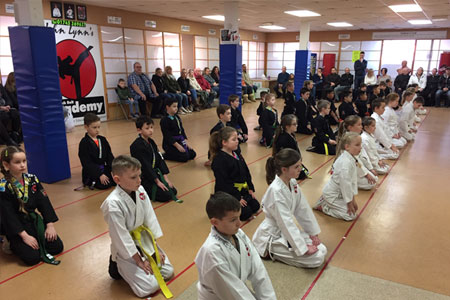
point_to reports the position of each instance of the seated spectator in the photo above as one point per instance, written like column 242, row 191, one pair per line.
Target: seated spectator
column 214, row 85
column 370, row 78
column 248, row 88
column 204, row 84
column 430, row 90
column 11, row 91
column 333, row 80
column 215, row 74
column 444, row 89
column 125, row 97
column 198, row 89
column 345, row 84
column 401, row 81
column 419, row 78
column 174, row 90
column 282, row 80
column 143, row 90
column 383, row 76
column 318, row 80
column 186, row 88
column 291, row 77
column 8, row 114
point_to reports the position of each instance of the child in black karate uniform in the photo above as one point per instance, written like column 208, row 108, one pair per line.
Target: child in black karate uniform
column 224, row 113
column 303, row 112
column 285, row 138
column 269, row 121
column 332, row 117
column 237, row 120
column 260, row 110
column 175, row 143
column 324, row 141
column 155, row 172
column 27, row 214
column 289, row 100
column 231, row 172
column 347, row 108
column 95, row 155
column 362, row 105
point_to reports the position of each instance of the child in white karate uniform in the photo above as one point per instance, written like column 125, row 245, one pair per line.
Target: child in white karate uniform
column 391, row 120
column 370, row 145
column 407, row 125
column 133, row 228
column 385, row 148
column 227, row 259
column 367, row 175
column 278, row 236
column 338, row 198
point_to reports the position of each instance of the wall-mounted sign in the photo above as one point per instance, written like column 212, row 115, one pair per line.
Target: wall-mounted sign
column 69, row 23
column 297, row 37
column 9, row 8
column 212, row 32
column 185, row 28
column 255, row 36
column 151, row 24
column 344, row 36
column 114, row 20
column 409, row 35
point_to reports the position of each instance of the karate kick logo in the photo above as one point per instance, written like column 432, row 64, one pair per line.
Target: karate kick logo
column 77, row 70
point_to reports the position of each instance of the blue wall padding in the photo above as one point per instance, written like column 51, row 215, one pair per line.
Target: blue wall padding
column 35, row 67
column 302, row 64
column 230, row 71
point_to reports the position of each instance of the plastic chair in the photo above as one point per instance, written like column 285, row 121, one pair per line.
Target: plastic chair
column 121, row 106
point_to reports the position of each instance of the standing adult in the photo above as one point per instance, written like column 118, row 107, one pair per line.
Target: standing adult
column 282, row 80
column 444, row 89
column 143, row 90
column 360, row 67
column 430, row 90
column 404, row 69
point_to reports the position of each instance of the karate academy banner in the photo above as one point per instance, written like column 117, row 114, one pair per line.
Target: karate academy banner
column 80, row 68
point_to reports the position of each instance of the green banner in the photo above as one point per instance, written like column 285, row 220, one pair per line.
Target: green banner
column 355, row 55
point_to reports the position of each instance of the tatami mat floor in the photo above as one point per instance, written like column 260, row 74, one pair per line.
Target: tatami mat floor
column 397, row 249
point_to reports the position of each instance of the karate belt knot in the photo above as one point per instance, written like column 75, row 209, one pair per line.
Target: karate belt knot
column 241, row 186
column 156, row 266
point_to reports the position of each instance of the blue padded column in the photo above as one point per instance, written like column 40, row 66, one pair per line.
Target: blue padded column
column 230, row 71
column 302, row 64
column 33, row 51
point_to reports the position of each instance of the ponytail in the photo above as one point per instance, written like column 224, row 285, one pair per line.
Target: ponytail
column 283, row 159
column 286, row 121
column 6, row 156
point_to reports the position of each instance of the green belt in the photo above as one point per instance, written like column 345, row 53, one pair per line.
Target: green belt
column 40, row 228
column 155, row 187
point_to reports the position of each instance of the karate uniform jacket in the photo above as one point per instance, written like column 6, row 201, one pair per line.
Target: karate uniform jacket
column 407, row 117
column 289, row 104
column 237, row 120
column 303, row 113
column 344, row 181
column 92, row 157
column 223, row 270
column 364, row 164
column 322, row 131
column 124, row 215
column 150, row 158
column 346, row 109
column 382, row 133
column 171, row 126
column 286, row 140
column 282, row 206
column 369, row 144
column 391, row 120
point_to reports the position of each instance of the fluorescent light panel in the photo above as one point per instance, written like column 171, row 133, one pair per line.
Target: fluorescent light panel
column 340, row 24
column 405, row 8
column 420, row 22
column 302, row 13
column 272, row 27
column 215, row 17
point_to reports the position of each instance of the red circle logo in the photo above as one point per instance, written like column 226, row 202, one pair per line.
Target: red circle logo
column 77, row 70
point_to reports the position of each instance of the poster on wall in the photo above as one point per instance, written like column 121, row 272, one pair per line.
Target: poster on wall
column 80, row 68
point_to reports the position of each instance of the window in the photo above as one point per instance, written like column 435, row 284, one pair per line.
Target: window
column 279, row 55
column 155, row 51
column 172, row 54
column 253, row 58
column 394, row 52
column 206, row 52
column 6, row 64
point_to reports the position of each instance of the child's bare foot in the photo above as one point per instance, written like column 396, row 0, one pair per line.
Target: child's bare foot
column 315, row 240
column 311, row 250
column 207, row 163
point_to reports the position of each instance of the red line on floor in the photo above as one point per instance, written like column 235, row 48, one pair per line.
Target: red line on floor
column 316, row 279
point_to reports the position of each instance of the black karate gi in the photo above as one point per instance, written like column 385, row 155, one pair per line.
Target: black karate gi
column 289, row 104
column 151, row 160
column 269, row 122
column 228, row 171
column 346, row 109
column 323, row 134
column 304, row 116
column 362, row 108
column 95, row 162
column 14, row 220
column 288, row 141
column 238, row 122
column 173, row 131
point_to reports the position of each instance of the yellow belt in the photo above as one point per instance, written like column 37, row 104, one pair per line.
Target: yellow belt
column 241, row 186
column 136, row 235
column 326, row 146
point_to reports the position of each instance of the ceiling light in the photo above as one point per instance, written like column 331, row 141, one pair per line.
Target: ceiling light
column 272, row 27
column 405, row 8
column 302, row 13
column 340, row 24
column 439, row 18
column 215, row 17
column 420, row 22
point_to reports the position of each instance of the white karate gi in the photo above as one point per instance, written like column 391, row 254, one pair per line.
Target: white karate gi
column 391, row 120
column 341, row 188
column 124, row 215
column 369, row 144
column 406, row 122
column 384, row 138
column 281, row 206
column 223, row 271
column 363, row 170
